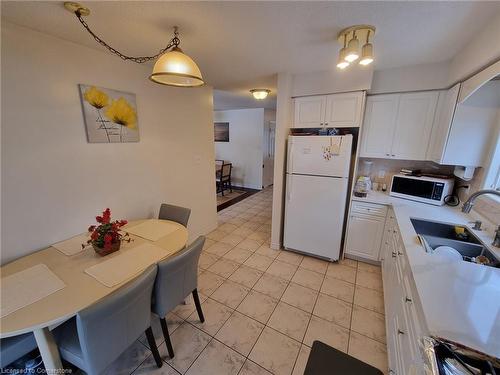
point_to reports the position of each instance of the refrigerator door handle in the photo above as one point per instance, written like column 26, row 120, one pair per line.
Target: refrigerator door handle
column 290, row 157
column 288, row 187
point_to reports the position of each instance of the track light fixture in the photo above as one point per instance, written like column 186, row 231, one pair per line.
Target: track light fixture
column 349, row 39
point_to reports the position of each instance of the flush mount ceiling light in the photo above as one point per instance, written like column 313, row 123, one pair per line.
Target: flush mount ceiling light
column 173, row 67
column 260, row 94
column 349, row 39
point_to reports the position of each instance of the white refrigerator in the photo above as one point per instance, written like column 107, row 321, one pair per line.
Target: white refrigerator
column 316, row 193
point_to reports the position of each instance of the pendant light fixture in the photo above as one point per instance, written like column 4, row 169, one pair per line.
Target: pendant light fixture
column 349, row 39
column 260, row 94
column 173, row 67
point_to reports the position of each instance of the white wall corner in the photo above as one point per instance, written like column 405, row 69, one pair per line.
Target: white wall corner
column 283, row 122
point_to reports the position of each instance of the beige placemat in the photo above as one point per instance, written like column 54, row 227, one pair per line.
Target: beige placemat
column 73, row 245
column 153, row 229
column 26, row 287
column 126, row 265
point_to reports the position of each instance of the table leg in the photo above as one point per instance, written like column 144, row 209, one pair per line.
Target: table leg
column 48, row 349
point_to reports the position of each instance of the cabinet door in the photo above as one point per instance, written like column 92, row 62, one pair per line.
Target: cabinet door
column 445, row 111
column 344, row 110
column 309, row 112
column 364, row 236
column 414, row 125
column 379, row 125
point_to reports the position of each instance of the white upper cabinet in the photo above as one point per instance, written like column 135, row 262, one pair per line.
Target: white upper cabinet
column 309, row 112
column 379, row 126
column 445, row 111
column 398, row 125
column 463, row 131
column 344, row 110
column 333, row 111
column 414, row 125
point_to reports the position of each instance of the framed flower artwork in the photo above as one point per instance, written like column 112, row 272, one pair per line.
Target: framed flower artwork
column 110, row 115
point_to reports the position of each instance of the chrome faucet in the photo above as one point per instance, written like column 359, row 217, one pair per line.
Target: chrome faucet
column 496, row 240
column 470, row 202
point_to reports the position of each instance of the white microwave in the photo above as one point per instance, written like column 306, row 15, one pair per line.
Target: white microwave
column 421, row 189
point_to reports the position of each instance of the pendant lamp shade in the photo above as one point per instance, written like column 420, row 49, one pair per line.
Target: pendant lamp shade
column 175, row 68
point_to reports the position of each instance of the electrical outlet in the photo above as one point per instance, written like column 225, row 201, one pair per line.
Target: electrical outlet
column 381, row 173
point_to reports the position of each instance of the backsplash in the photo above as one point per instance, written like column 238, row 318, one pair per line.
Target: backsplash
column 485, row 206
column 391, row 167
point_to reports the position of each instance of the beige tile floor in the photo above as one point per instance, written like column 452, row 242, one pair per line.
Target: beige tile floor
column 264, row 308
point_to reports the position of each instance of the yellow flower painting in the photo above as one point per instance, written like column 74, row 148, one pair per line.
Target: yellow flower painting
column 122, row 113
column 96, row 98
column 110, row 115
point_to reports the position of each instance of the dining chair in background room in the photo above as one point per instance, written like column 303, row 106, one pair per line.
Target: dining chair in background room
column 99, row 334
column 177, row 278
column 174, row 213
column 13, row 348
column 223, row 178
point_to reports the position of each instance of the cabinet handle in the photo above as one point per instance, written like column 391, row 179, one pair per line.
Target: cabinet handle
column 387, row 154
column 400, row 253
column 408, row 299
column 394, row 254
column 394, row 231
column 393, row 155
column 400, row 332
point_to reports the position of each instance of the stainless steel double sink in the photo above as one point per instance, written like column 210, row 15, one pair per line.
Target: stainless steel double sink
column 466, row 243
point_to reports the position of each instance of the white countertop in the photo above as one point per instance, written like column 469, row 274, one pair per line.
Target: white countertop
column 460, row 300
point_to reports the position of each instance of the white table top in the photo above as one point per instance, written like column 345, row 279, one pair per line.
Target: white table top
column 81, row 290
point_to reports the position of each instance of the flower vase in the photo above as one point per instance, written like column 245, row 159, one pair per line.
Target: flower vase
column 103, row 252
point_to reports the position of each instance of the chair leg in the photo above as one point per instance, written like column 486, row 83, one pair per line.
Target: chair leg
column 230, row 185
column 166, row 335
column 153, row 347
column 198, row 305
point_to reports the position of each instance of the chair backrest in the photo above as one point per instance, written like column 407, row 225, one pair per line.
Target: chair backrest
column 226, row 170
column 107, row 328
column 219, row 162
column 175, row 213
column 177, row 278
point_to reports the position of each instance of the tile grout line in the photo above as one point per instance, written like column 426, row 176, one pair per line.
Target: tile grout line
column 352, row 309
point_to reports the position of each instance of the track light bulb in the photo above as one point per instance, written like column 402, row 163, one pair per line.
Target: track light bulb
column 352, row 50
column 341, row 63
column 366, row 54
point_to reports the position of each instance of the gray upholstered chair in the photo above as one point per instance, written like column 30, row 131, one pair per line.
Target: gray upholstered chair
column 13, row 348
column 175, row 213
column 177, row 278
column 99, row 334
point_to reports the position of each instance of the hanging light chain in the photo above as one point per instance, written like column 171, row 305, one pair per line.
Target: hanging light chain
column 174, row 42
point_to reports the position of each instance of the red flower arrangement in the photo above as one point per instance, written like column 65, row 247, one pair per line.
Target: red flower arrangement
column 107, row 236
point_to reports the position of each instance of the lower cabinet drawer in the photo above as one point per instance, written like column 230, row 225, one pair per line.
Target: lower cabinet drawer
column 369, row 208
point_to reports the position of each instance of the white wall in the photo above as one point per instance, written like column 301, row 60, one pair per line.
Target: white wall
column 482, row 50
column 244, row 149
column 331, row 81
column 411, row 78
column 54, row 182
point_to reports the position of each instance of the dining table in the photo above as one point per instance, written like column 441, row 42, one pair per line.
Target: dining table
column 80, row 289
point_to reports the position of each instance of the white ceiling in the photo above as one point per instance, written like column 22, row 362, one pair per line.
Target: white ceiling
column 242, row 45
